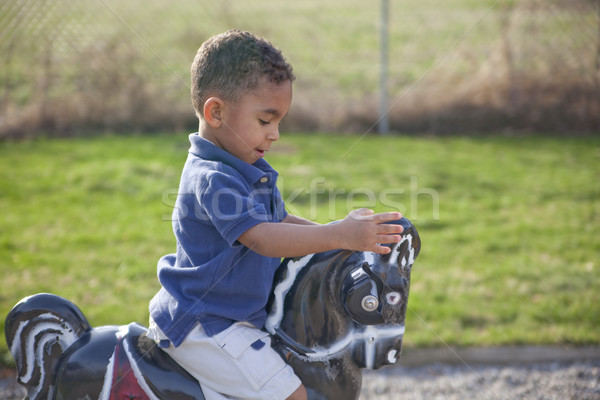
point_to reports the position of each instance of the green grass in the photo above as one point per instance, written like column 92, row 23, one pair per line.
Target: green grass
column 510, row 226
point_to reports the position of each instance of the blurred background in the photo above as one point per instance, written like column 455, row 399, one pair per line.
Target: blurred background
column 455, row 66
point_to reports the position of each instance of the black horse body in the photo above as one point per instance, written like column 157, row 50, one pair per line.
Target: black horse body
column 331, row 314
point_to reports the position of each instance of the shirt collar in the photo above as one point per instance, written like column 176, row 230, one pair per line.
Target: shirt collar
column 207, row 150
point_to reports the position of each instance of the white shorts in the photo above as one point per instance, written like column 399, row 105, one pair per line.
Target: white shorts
column 236, row 363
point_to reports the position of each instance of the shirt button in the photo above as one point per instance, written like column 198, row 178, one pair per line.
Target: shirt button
column 264, row 179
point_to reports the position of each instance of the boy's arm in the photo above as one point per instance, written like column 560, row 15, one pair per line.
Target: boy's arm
column 294, row 219
column 361, row 230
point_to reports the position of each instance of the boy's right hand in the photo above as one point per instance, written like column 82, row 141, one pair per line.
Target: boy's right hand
column 363, row 230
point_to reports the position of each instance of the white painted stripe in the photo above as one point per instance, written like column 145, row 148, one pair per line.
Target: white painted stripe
column 16, row 344
column 369, row 257
column 410, row 259
column 108, row 375
column 138, row 374
column 395, row 251
column 66, row 337
column 281, row 290
column 122, row 332
column 369, row 336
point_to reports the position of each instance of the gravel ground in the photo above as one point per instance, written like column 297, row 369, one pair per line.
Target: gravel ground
column 577, row 381
column 548, row 381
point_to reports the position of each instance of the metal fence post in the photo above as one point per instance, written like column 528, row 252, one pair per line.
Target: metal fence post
column 384, row 121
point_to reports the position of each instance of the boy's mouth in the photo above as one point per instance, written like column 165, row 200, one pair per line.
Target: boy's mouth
column 260, row 152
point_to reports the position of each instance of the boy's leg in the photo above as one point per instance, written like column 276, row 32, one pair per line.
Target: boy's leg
column 299, row 394
column 238, row 362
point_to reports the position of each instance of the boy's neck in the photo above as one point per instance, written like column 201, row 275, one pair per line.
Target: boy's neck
column 205, row 131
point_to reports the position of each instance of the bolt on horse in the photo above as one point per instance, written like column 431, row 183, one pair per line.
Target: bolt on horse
column 331, row 315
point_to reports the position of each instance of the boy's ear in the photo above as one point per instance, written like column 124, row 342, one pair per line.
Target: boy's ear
column 213, row 110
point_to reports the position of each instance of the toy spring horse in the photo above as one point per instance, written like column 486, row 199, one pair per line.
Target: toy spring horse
column 330, row 315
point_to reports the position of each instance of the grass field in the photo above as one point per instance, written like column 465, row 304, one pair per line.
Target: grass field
column 510, row 226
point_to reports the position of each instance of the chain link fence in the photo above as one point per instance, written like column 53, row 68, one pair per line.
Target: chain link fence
column 458, row 66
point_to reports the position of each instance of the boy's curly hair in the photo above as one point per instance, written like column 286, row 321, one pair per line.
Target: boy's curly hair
column 232, row 63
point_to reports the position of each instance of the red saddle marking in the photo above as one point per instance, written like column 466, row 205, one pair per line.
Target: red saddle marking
column 125, row 385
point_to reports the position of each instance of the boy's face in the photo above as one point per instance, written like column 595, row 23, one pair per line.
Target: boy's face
column 251, row 124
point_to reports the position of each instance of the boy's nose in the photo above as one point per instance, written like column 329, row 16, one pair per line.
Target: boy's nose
column 274, row 134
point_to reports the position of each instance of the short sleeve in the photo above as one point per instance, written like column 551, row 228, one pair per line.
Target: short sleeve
column 230, row 205
column 280, row 210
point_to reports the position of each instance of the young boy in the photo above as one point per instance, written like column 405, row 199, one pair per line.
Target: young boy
column 232, row 228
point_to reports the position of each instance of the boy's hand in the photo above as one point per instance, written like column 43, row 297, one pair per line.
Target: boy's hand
column 362, row 230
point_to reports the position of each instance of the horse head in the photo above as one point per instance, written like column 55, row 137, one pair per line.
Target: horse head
column 376, row 297
column 344, row 309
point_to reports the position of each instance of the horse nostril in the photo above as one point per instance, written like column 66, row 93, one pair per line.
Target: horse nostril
column 369, row 303
column 392, row 356
column 393, row 298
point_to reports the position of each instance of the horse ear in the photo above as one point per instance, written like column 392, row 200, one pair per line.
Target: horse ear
column 405, row 252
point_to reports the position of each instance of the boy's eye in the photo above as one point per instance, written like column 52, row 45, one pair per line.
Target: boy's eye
column 263, row 122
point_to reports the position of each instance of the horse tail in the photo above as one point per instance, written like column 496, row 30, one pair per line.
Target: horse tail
column 38, row 330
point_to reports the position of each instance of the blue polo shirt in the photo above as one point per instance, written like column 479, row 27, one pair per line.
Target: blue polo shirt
column 212, row 278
